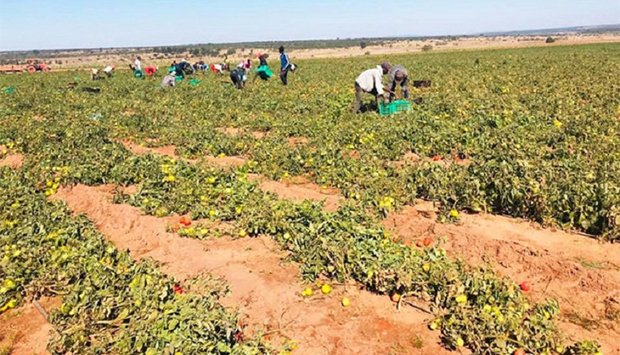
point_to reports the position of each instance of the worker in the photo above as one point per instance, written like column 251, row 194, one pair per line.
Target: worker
column 182, row 68
column 108, row 71
column 371, row 82
column 263, row 71
column 150, row 70
column 200, row 66
column 285, row 65
column 238, row 77
column 217, row 68
column 169, row 80
column 137, row 64
column 245, row 65
column 398, row 76
column 94, row 74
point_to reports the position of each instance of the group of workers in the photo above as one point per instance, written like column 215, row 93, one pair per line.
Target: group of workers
column 368, row 82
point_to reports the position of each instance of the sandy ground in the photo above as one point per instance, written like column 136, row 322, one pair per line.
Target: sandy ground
column 264, row 289
column 25, row 331
column 391, row 47
column 581, row 273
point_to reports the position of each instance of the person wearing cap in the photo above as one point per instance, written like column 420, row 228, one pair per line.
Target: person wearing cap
column 285, row 65
column 398, row 77
column 370, row 82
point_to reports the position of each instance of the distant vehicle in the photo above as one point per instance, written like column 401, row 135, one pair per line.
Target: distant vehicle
column 32, row 66
column 35, row 65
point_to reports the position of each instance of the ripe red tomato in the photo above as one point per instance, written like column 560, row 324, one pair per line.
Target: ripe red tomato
column 519, row 352
column 176, row 288
column 525, row 286
column 185, row 221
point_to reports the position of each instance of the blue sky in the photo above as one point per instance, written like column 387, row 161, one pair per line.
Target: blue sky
column 47, row 24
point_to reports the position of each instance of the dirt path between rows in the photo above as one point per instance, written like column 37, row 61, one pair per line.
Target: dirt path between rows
column 266, row 290
column 24, row 331
column 13, row 161
column 582, row 273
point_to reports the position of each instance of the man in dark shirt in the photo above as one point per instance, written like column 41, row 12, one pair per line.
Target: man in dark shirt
column 285, row 65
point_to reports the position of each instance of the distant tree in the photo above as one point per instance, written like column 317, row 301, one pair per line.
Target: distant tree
column 427, row 48
column 231, row 51
column 363, row 45
column 550, row 40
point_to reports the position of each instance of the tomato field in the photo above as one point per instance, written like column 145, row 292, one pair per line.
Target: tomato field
column 528, row 133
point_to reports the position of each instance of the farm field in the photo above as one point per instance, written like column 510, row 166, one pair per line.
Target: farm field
column 203, row 219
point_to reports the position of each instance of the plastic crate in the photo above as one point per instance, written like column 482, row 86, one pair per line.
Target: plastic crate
column 394, row 107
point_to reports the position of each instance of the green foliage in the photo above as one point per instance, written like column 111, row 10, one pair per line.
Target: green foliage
column 539, row 143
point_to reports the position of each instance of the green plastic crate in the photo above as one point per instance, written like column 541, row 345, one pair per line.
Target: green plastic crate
column 394, row 107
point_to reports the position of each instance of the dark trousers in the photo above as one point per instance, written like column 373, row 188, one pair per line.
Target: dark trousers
column 359, row 96
column 284, row 76
column 403, row 88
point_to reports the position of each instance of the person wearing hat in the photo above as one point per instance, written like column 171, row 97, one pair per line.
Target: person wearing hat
column 285, row 65
column 371, row 82
column 398, row 77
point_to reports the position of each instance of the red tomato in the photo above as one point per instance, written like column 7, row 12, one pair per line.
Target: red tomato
column 185, row 221
column 525, row 286
column 176, row 288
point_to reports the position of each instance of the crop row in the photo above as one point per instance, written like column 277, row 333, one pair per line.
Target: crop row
column 474, row 307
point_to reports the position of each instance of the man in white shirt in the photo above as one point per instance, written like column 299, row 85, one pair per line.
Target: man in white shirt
column 371, row 82
column 109, row 70
column 137, row 64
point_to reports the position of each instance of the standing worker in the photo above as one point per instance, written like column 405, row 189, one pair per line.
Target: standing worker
column 285, row 65
column 398, row 77
column 371, row 82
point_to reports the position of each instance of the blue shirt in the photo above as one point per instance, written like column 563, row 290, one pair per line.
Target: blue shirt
column 284, row 62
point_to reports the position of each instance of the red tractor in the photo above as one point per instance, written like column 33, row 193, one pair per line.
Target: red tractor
column 35, row 65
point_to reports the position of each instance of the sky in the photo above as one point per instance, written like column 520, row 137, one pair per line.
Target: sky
column 57, row 24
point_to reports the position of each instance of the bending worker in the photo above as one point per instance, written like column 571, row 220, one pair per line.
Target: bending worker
column 398, row 77
column 238, row 77
column 371, row 82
